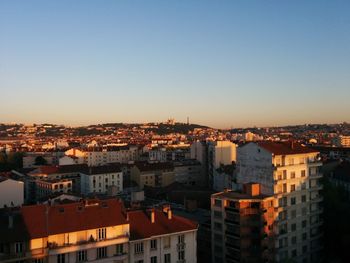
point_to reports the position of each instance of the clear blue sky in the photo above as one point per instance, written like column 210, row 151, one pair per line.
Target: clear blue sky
column 222, row 63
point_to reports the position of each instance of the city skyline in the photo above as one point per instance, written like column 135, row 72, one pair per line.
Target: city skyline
column 225, row 65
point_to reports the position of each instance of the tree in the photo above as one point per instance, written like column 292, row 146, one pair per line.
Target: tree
column 40, row 161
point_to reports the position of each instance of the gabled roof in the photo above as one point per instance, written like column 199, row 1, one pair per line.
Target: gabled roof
column 285, row 148
column 141, row 226
column 44, row 220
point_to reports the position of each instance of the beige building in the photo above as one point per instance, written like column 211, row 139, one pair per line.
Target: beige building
column 99, row 231
column 290, row 173
column 95, row 156
column 153, row 174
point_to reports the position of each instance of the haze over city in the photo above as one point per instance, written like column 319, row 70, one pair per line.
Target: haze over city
column 227, row 64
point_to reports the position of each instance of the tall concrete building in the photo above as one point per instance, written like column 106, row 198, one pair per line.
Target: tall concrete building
column 290, row 173
column 242, row 226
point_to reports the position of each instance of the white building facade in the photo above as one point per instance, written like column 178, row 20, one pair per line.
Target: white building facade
column 290, row 173
column 11, row 192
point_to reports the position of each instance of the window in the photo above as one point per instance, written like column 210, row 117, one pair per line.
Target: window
column 181, row 255
column 166, row 242
column 304, row 211
column 138, row 248
column 294, row 240
column 293, row 214
column 303, row 198
column 217, row 214
column 81, row 256
column 284, row 188
column 284, row 174
column 291, row 161
column 61, row 258
column 102, row 233
column 166, row 258
column 217, row 202
column 292, row 175
column 18, row 247
column 293, row 201
column 304, row 236
column 304, row 223
column 217, row 226
column 282, row 215
column 303, row 173
column 153, row 244
column 102, row 252
column 38, row 260
column 120, row 249
column 181, row 239
column 292, row 188
column 293, row 227
column 294, row 253
column 304, row 249
column 154, row 259
column 283, row 229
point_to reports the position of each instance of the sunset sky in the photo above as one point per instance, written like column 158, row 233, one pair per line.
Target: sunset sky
column 222, row 63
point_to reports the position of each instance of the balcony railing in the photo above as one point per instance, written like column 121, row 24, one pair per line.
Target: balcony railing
column 54, row 245
column 11, row 256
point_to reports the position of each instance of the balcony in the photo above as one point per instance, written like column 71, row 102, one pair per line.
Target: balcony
column 115, row 258
column 13, row 257
column 317, row 199
column 232, row 209
column 232, row 222
column 55, row 249
column 316, row 187
column 318, row 210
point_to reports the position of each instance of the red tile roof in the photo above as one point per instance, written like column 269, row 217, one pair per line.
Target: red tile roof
column 285, row 148
column 44, row 220
column 141, row 226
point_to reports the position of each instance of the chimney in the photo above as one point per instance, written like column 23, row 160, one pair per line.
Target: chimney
column 170, row 214
column 252, row 189
column 153, row 215
column 167, row 210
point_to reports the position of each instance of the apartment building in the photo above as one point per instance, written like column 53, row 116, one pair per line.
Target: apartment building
column 290, row 173
column 342, row 141
column 242, row 226
column 46, row 188
column 96, row 156
column 220, row 153
column 159, row 236
column 11, row 192
column 77, row 232
column 100, row 179
column 153, row 174
column 189, row 172
column 98, row 231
